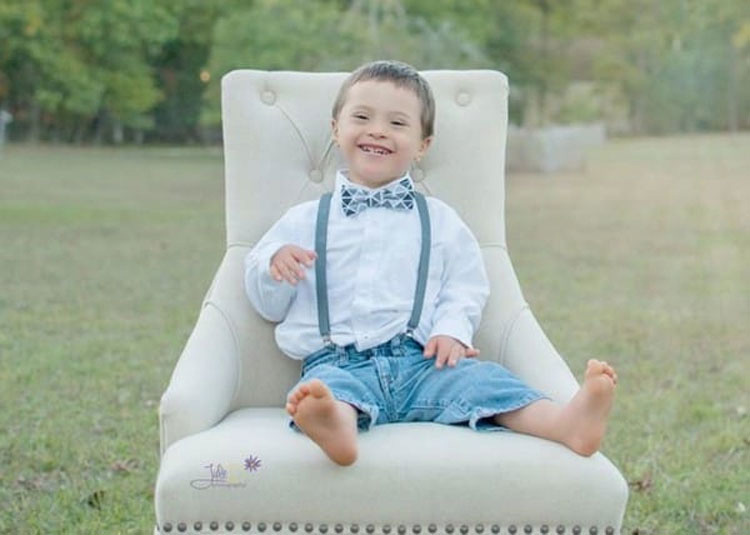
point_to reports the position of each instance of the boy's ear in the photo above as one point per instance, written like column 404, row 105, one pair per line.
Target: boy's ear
column 335, row 131
column 426, row 142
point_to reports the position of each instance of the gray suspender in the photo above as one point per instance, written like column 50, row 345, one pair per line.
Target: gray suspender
column 321, row 286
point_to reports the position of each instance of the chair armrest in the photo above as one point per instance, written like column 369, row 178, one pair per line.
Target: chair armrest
column 204, row 382
column 528, row 353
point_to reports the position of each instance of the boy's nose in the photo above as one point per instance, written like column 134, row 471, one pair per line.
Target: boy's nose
column 377, row 130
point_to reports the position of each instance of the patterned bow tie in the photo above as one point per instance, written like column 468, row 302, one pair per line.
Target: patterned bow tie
column 400, row 196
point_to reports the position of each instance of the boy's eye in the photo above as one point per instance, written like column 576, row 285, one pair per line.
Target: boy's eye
column 360, row 116
column 398, row 123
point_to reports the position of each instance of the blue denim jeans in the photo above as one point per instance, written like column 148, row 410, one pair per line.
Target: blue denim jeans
column 394, row 382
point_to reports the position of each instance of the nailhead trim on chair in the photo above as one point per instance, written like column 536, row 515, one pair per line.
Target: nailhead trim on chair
column 386, row 529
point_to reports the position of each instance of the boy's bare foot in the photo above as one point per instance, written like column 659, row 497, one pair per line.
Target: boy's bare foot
column 330, row 423
column 587, row 412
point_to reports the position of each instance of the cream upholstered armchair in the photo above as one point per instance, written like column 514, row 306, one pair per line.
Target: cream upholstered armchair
column 229, row 461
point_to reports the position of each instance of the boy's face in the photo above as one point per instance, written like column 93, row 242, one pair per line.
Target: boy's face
column 379, row 132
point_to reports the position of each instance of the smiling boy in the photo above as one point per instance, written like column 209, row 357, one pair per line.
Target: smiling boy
column 396, row 293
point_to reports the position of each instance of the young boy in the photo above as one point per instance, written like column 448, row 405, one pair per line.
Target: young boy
column 373, row 317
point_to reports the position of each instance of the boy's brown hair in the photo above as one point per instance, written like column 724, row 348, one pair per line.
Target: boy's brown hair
column 401, row 75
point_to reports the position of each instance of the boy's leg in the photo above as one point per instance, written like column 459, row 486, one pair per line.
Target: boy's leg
column 581, row 423
column 330, row 423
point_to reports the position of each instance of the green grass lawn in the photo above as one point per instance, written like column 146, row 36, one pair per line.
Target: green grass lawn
column 642, row 260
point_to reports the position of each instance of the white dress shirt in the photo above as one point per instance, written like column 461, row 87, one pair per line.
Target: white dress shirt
column 372, row 265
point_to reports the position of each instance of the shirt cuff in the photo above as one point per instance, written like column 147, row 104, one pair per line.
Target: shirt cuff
column 264, row 256
column 455, row 328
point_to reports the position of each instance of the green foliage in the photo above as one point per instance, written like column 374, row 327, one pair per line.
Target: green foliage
column 76, row 69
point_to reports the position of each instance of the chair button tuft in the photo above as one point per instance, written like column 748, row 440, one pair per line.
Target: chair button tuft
column 432, row 528
column 560, row 529
column 544, row 529
column 576, row 530
column 338, row 528
column 268, row 97
column 167, row 527
column 370, row 528
column 449, row 528
column 464, row 529
column 354, row 528
column 401, row 529
column 293, row 527
column 277, row 526
column 610, row 530
column 229, row 526
column 214, row 526
column 247, row 526
column 262, row 526
column 479, row 528
column 416, row 528
column 323, row 528
column 495, row 528
column 198, row 526
column 463, row 98
column 387, row 529
column 593, row 530
column 309, row 527
column 528, row 529
column 182, row 527
column 512, row 529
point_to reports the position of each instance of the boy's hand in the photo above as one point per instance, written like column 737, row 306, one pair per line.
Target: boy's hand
column 448, row 350
column 287, row 263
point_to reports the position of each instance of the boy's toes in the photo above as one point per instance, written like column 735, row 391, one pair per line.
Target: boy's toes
column 317, row 388
column 594, row 367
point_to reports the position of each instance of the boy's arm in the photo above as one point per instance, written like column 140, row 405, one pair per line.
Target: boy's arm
column 271, row 298
column 464, row 287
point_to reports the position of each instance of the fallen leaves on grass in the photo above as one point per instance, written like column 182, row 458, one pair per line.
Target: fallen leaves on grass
column 126, row 466
column 643, row 484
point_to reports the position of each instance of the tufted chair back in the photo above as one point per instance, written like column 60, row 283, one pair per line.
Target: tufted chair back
column 279, row 152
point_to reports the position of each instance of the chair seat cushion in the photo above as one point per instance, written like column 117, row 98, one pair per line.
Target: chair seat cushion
column 410, row 474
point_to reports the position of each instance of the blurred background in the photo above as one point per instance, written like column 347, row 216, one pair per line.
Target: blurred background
column 149, row 71
column 632, row 245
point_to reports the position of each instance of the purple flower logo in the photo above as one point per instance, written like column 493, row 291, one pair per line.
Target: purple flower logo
column 252, row 463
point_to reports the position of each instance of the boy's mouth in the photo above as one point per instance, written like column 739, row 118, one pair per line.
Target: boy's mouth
column 376, row 149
